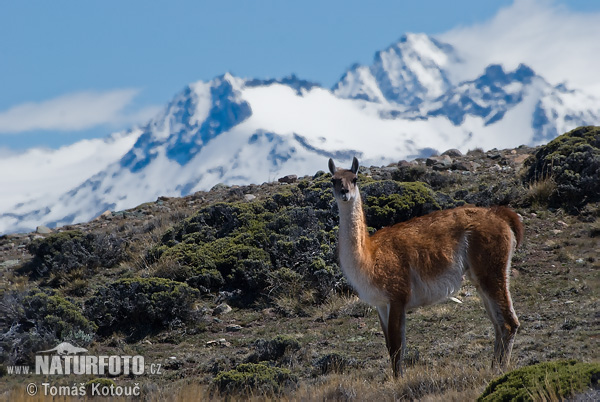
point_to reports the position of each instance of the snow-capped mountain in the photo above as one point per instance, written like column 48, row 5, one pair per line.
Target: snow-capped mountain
column 409, row 72
column 239, row 131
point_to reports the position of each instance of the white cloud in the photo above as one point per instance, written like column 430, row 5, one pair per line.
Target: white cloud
column 75, row 111
column 40, row 174
column 557, row 43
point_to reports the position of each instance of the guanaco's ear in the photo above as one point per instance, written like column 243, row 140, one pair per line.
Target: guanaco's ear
column 331, row 166
column 354, row 167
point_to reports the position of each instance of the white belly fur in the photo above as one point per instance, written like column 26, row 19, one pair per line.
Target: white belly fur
column 440, row 288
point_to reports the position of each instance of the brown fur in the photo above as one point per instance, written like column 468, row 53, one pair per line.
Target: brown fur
column 431, row 251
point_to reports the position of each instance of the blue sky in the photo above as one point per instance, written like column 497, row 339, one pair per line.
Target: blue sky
column 114, row 63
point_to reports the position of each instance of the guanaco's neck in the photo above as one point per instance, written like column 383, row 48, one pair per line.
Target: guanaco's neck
column 355, row 254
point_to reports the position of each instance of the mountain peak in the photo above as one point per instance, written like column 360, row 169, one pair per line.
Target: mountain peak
column 202, row 111
column 406, row 73
column 291, row 81
column 496, row 73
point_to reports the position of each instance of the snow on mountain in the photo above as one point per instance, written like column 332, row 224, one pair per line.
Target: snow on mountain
column 406, row 73
column 236, row 131
column 46, row 173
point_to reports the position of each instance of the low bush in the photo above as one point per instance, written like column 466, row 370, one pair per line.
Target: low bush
column 419, row 173
column 34, row 321
column 273, row 349
column 572, row 162
column 251, row 378
column 137, row 306
column 543, row 381
column 65, row 252
column 388, row 202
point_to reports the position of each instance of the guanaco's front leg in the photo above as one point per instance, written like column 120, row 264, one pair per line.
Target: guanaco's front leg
column 396, row 330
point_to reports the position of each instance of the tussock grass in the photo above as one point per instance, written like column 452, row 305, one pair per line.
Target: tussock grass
column 539, row 191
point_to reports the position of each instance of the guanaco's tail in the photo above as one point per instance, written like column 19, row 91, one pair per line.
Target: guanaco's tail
column 513, row 220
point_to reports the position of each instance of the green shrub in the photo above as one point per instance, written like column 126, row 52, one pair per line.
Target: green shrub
column 274, row 349
column 419, row 173
column 498, row 192
column 245, row 246
column 543, row 381
column 36, row 321
column 388, row 202
column 140, row 305
column 250, row 378
column 65, row 252
column 572, row 162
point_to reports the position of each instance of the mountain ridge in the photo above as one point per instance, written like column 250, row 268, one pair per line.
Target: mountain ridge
column 238, row 131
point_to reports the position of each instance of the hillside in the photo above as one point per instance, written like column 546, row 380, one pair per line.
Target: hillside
column 242, row 282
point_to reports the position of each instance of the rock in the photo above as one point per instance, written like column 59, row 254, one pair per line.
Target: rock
column 233, row 328
column 9, row 263
column 439, row 162
column 219, row 186
column 222, row 342
column 249, row 197
column 453, row 153
column 464, row 166
column 43, row 230
column 290, row 178
column 519, row 159
column 106, row 214
column 221, row 309
column 432, row 160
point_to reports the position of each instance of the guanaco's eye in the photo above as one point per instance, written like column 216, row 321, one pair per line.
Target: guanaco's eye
column 355, row 180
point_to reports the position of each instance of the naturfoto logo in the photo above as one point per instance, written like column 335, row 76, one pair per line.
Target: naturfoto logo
column 65, row 348
column 65, row 359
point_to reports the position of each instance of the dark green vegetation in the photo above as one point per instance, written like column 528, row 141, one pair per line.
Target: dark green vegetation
column 572, row 163
column 156, row 281
column 255, row 379
column 139, row 306
column 549, row 381
column 39, row 321
column 71, row 256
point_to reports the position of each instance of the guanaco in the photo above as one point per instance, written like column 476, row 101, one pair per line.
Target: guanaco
column 422, row 261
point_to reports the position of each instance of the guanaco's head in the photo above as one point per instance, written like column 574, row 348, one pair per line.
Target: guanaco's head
column 344, row 181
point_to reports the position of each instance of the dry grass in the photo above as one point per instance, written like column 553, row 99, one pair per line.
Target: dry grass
column 539, row 192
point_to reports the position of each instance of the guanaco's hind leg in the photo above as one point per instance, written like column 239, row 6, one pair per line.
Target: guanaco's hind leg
column 506, row 324
column 490, row 274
